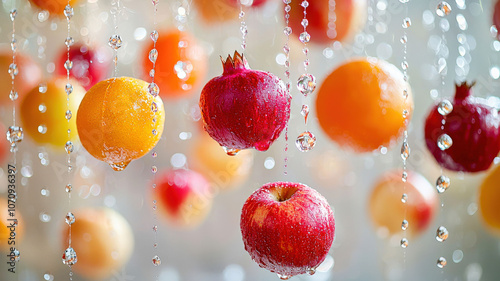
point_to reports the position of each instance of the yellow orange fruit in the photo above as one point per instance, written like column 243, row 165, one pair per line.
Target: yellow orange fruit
column 43, row 115
column 54, row 6
column 116, row 122
column 216, row 11
column 489, row 196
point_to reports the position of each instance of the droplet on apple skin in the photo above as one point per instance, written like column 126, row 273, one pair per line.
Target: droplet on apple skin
column 287, row 228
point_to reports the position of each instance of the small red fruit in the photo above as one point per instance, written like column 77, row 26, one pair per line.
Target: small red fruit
column 470, row 137
column 244, row 108
column 287, row 228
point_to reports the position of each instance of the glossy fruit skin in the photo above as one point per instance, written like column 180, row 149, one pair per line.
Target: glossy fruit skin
column 244, row 108
column 175, row 84
column 28, row 77
column 350, row 18
column 115, row 121
column 54, row 6
column 102, row 239
column 360, row 104
column 90, row 65
column 184, row 197
column 55, row 101
column 387, row 211
column 489, row 196
column 287, row 237
column 474, row 127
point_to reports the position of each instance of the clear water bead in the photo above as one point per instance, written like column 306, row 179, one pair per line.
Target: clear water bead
column 68, row 65
column 230, row 151
column 241, row 14
column 154, row 107
column 405, row 150
column 15, row 134
column 442, row 183
column 288, row 8
column 13, row 14
column 404, row 225
column 153, row 89
column 445, row 107
column 287, row 31
column 153, row 55
column 156, row 260
column 155, row 2
column 406, row 22
column 48, row 277
column 442, row 234
column 305, row 141
column 305, row 111
column 13, row 95
column 404, row 65
column 13, row 70
column 68, row 12
column 404, row 243
column 152, row 73
column 69, row 147
column 42, row 88
column 283, row 277
column 42, row 108
column 304, row 4
column 441, row 262
column 404, row 176
column 444, row 142
column 306, row 84
column 68, row 188
column 69, row 41
column 404, row 39
column 68, row 114
column 154, row 35
column 16, row 255
column 13, row 44
column 304, row 23
column 286, row 49
column 115, row 41
column 287, row 1
column 42, row 129
column 404, row 198
column 155, row 228
column 304, row 37
column 69, row 257
column 68, row 89
column 311, row 271
column 70, row 218
column 443, row 9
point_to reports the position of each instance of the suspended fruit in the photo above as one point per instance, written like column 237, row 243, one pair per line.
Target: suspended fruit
column 244, row 108
column 181, row 64
column 119, row 121
column 44, row 112
column 360, row 104
column 350, row 17
column 469, row 140
column 55, row 7
column 90, row 65
column 489, row 196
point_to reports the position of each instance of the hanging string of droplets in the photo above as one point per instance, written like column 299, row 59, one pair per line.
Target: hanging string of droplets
column 69, row 256
column 306, row 85
column 405, row 147
column 243, row 28
column 444, row 108
column 115, row 41
column 154, row 90
column 14, row 133
column 286, row 48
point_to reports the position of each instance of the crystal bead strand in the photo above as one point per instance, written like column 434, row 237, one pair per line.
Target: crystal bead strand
column 445, row 107
column 306, row 85
column 286, row 48
column 243, row 28
column 115, row 41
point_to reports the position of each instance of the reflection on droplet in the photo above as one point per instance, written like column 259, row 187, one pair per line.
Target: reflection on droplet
column 283, row 277
column 444, row 142
column 404, row 198
column 404, row 243
column 44, row 217
column 69, row 257
column 305, row 141
column 119, row 166
column 404, row 225
column 445, row 107
column 442, row 183
column 70, row 218
column 442, row 234
column 405, row 150
column 231, row 151
column 306, row 84
column 443, row 9
column 156, row 260
column 441, row 262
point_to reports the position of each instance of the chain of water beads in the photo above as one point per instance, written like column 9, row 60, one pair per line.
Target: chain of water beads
column 444, row 141
column 286, row 48
column 243, row 28
column 306, row 85
column 69, row 256
column 115, row 41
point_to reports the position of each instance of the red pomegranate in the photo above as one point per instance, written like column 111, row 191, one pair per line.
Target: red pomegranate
column 496, row 17
column 470, row 137
column 244, row 108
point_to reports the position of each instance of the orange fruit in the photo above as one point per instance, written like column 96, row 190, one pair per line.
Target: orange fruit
column 387, row 211
column 360, row 104
column 54, row 6
column 28, row 77
column 215, row 11
column 489, row 196
column 43, row 114
column 15, row 232
column 115, row 121
column 181, row 64
column 102, row 239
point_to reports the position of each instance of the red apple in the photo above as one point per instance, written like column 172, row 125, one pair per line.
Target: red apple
column 287, row 228
column 183, row 196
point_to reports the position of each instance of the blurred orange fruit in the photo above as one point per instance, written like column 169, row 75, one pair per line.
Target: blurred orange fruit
column 54, row 6
column 360, row 104
column 215, row 11
column 43, row 114
column 115, row 121
column 489, row 196
column 181, row 64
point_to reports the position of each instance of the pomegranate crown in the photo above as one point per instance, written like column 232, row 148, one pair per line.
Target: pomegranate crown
column 463, row 90
column 238, row 61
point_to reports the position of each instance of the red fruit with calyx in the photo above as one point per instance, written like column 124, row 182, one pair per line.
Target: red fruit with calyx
column 469, row 140
column 244, row 108
column 287, row 228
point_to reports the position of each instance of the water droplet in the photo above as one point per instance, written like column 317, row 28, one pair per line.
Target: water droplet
column 13, row 44
column 404, row 176
column 183, row 69
column 243, row 29
column 231, row 151
column 69, row 257
column 442, row 234
column 45, row 192
column 68, row 188
column 70, row 218
column 69, row 41
column 155, row 228
column 155, row 2
column 69, row 147
column 445, row 107
column 156, row 260
column 286, row 49
column 404, row 225
column 154, row 169
column 154, row 107
column 153, row 89
column 13, row 95
column 48, row 277
column 68, row 89
column 305, row 112
column 42, row 88
column 44, row 217
column 443, row 9
column 15, row 134
column 115, row 41
column 404, row 198
column 304, row 37
column 405, row 113
column 154, row 132
column 42, row 129
column 442, row 183
column 13, row 70
column 241, row 14
column 119, row 166
column 404, row 39
column 304, row 23
column 283, row 277
column 306, row 84
column 305, row 141
column 405, row 150
column 154, row 154
column 311, row 271
column 13, row 14
column 68, row 114
column 42, row 108
column 404, row 243
column 441, row 262
column 68, row 12
column 404, row 65
column 305, row 50
column 406, row 22
column 153, row 55
column 287, row 31
column 444, row 142
column 304, row 4
column 154, row 35
column 152, row 73
column 68, row 65
column 16, row 254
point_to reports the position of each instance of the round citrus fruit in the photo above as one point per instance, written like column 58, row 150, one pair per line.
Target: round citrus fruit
column 181, row 64
column 119, row 121
column 360, row 104
column 54, row 6
column 489, row 196
column 43, row 112
column 216, row 11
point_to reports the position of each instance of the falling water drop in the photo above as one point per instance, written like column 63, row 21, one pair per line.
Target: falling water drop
column 404, row 225
column 405, row 150
column 153, row 89
column 69, row 147
column 306, row 84
column 404, row 243
column 311, row 271
column 15, row 253
column 304, row 37
column 442, row 183
column 442, row 234
column 231, row 151
column 69, row 257
column 70, row 218
column 444, row 142
column 115, row 42
column 441, row 262
column 404, row 198
column 305, row 141
column 283, row 276
column 156, row 260
column 153, row 55
column 68, row 188
column 305, row 112
column 406, row 22
column 154, row 35
column 445, row 107
column 443, row 9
